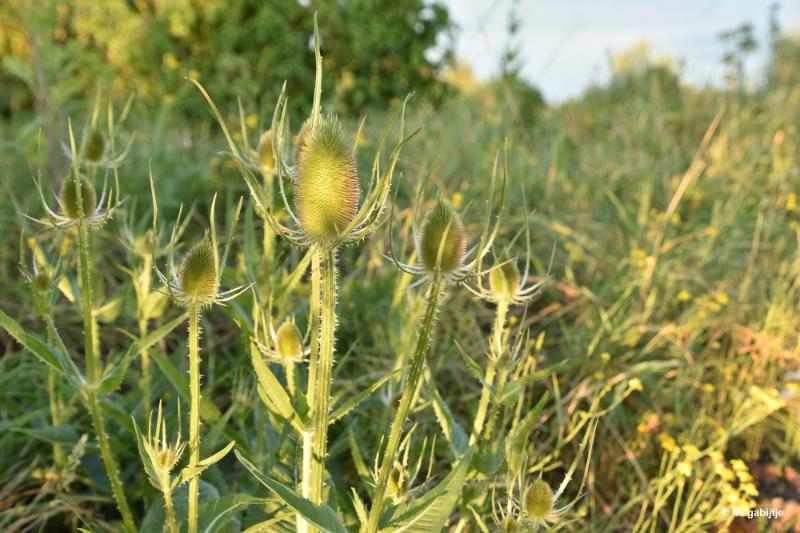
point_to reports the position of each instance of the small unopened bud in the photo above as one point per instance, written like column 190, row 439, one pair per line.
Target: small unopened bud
column 266, row 157
column 198, row 273
column 326, row 190
column 69, row 198
column 95, row 146
column 504, row 280
column 288, row 343
column 442, row 231
column 539, row 500
column 42, row 280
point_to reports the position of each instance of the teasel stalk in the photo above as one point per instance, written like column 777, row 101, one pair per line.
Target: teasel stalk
column 196, row 285
column 443, row 261
column 326, row 216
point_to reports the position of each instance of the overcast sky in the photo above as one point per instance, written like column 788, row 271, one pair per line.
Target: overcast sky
column 566, row 43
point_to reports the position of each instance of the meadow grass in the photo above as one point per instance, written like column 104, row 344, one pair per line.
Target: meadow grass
column 664, row 220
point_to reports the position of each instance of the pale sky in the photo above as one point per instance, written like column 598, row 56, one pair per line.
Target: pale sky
column 566, row 44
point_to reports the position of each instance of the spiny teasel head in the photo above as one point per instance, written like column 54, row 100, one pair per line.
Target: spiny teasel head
column 266, row 156
column 442, row 232
column 539, row 501
column 509, row 524
column 198, row 273
column 42, row 280
column 69, row 198
column 326, row 189
column 504, row 280
column 95, row 147
column 289, row 343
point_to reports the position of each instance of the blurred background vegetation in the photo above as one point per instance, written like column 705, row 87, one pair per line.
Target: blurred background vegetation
column 673, row 211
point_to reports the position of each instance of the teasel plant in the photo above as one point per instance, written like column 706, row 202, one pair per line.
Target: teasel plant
column 507, row 287
column 326, row 215
column 79, row 209
column 196, row 284
column 443, row 260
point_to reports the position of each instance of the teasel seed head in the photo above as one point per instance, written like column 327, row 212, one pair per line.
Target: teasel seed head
column 69, row 198
column 442, row 229
column 266, row 157
column 539, row 500
column 504, row 280
column 198, row 273
column 509, row 524
column 288, row 342
column 95, row 147
column 326, row 190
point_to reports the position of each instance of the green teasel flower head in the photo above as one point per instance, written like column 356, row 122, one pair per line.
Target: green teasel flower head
column 325, row 209
column 288, row 342
column 326, row 185
column 539, row 500
column 196, row 281
column 504, row 280
column 69, row 198
column 442, row 241
column 284, row 346
column 198, row 273
column 94, row 148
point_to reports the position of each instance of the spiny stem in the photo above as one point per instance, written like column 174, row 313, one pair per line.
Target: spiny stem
column 497, row 350
column 194, row 411
column 321, row 385
column 55, row 410
column 92, row 372
column 172, row 524
column 417, row 363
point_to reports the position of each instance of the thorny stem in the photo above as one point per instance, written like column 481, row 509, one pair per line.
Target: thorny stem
column 314, row 313
column 145, row 360
column 409, row 387
column 52, row 393
column 166, row 490
column 92, row 368
column 497, row 352
column 321, row 385
column 194, row 411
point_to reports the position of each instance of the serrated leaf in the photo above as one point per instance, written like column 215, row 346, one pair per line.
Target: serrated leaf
column 273, row 394
column 320, row 516
column 431, row 512
column 453, row 432
column 149, row 468
column 353, row 401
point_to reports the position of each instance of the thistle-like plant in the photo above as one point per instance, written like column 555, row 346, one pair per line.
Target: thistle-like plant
column 443, row 260
column 286, row 346
column 196, row 285
column 78, row 208
column 325, row 214
column 97, row 147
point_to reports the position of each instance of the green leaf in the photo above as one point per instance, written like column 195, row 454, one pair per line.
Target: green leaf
column 518, row 439
column 220, row 514
column 116, row 373
column 149, row 468
column 515, row 388
column 273, row 394
column 353, row 401
column 452, row 430
column 431, row 512
column 49, row 355
column 320, row 516
column 208, row 411
column 53, row 434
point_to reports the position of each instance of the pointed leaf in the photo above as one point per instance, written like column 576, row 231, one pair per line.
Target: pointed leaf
column 353, row 401
column 320, row 516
